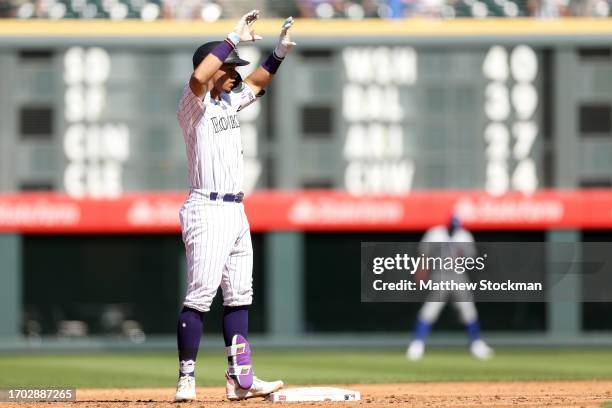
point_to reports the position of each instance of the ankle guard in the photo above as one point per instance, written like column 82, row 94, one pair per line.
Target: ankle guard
column 240, row 364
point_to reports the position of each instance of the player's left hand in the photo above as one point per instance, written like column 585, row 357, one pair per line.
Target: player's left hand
column 284, row 42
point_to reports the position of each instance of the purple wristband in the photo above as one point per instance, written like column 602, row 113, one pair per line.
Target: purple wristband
column 272, row 63
column 222, row 50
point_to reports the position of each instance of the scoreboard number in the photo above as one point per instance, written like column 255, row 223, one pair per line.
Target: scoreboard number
column 516, row 102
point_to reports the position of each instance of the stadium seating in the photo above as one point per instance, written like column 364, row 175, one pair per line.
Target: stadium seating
column 209, row 10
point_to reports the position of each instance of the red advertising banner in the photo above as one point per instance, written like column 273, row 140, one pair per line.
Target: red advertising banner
column 314, row 210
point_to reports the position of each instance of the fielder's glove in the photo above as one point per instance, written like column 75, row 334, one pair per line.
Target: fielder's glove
column 284, row 42
column 244, row 29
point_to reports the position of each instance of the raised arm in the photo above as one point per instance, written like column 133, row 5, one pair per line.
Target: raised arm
column 261, row 77
column 206, row 69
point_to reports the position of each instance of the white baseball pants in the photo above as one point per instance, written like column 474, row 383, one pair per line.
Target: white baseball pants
column 219, row 252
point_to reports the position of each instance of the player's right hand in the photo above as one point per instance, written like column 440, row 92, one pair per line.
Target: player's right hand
column 244, row 29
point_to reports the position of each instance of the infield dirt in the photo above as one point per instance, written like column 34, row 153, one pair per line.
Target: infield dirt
column 454, row 394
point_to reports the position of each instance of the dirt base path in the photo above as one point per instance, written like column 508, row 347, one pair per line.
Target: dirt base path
column 459, row 394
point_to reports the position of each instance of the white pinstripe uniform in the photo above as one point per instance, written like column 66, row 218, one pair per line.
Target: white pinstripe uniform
column 216, row 233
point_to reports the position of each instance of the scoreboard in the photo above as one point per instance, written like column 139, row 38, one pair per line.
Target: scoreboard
column 390, row 111
column 441, row 118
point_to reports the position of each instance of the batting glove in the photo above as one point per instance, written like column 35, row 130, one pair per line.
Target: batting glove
column 244, row 29
column 284, row 42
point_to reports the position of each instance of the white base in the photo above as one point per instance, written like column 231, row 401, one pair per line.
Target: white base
column 314, row 394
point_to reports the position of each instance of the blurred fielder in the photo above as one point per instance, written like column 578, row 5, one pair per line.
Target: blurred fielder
column 213, row 222
column 448, row 241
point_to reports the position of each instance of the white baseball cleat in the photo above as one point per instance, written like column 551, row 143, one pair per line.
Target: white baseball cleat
column 415, row 350
column 260, row 388
column 481, row 350
column 185, row 389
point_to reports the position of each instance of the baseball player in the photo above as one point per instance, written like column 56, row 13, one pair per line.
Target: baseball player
column 214, row 226
column 448, row 241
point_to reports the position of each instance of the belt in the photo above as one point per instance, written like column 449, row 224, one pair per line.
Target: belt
column 228, row 198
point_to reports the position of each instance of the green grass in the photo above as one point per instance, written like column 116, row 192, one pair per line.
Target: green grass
column 305, row 367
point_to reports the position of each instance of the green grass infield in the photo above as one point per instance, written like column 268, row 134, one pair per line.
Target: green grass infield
column 101, row 370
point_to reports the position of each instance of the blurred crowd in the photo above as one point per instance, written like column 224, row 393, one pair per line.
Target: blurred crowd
column 212, row 10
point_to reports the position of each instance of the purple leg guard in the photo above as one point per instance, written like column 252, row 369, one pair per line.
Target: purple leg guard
column 241, row 364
